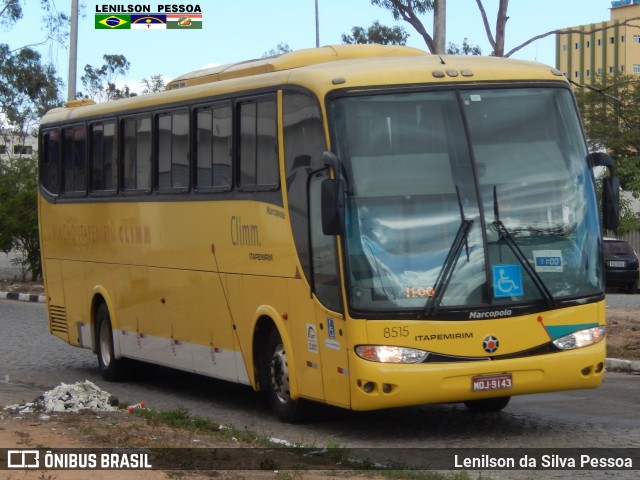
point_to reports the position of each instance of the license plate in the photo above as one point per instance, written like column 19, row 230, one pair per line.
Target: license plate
column 618, row 264
column 486, row 383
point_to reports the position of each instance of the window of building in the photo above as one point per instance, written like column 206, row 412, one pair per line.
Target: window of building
column 104, row 171
column 610, row 69
column 636, row 39
column 612, row 40
column 213, row 147
column 588, row 43
column 565, row 48
column 577, row 46
column 621, row 38
column 74, row 160
column 599, row 70
column 258, row 154
column 588, row 73
column 173, row 150
column 577, row 74
column 3, row 149
column 622, row 68
column 136, row 154
column 22, row 149
column 636, row 68
column 599, row 42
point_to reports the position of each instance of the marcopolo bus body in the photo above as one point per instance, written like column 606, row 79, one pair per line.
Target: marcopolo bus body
column 362, row 226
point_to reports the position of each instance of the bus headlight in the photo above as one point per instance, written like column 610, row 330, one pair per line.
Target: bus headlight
column 581, row 338
column 390, row 354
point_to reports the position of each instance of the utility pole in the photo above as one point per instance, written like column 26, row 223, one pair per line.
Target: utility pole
column 439, row 26
column 73, row 52
column 317, row 27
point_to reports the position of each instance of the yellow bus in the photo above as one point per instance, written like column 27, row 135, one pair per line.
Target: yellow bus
column 360, row 226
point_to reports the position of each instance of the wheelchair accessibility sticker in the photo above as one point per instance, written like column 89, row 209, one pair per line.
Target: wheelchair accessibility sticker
column 507, row 281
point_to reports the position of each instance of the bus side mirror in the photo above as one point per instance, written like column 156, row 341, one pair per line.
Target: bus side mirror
column 610, row 202
column 332, row 199
column 610, row 190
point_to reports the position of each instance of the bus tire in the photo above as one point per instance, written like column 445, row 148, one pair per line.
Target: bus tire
column 111, row 369
column 487, row 405
column 284, row 408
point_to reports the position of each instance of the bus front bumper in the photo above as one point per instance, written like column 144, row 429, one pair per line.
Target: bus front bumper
column 381, row 385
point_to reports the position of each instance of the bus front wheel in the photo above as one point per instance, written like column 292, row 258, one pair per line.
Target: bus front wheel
column 110, row 367
column 487, row 405
column 285, row 408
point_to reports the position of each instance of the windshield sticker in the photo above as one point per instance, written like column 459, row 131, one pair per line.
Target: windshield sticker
column 548, row 260
column 507, row 281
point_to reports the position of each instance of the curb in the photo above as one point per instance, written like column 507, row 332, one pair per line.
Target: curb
column 22, row 297
column 624, row 366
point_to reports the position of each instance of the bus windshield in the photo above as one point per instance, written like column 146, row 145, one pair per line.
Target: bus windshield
column 466, row 198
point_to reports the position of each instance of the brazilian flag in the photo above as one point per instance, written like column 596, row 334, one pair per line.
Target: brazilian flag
column 112, row 22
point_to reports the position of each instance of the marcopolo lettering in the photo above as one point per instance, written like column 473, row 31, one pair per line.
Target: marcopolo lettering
column 492, row 314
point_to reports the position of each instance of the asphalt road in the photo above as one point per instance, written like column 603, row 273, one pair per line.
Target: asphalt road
column 604, row 417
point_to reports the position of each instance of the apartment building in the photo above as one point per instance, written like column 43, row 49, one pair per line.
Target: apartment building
column 608, row 47
column 13, row 145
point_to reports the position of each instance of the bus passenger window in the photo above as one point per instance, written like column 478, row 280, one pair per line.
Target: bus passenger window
column 103, row 157
column 50, row 162
column 173, row 150
column 74, row 160
column 258, row 146
column 137, row 154
column 213, row 147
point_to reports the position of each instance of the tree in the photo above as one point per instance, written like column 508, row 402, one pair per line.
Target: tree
column 19, row 213
column 465, row 49
column 376, row 33
column 279, row 50
column 55, row 23
column 610, row 110
column 100, row 83
column 408, row 10
column 154, row 84
column 27, row 88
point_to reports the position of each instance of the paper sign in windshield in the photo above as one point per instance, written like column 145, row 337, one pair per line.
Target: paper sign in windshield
column 548, row 260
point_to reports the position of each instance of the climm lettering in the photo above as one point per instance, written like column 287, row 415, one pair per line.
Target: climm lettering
column 244, row 234
column 123, row 8
column 137, row 234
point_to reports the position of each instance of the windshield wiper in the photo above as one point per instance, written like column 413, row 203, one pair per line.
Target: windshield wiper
column 518, row 253
column 444, row 277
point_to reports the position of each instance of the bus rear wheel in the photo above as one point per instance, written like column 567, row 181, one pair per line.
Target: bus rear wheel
column 111, row 369
column 487, row 405
column 283, row 406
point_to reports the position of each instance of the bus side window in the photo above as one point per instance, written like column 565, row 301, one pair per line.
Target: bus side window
column 213, row 147
column 173, row 150
column 50, row 162
column 258, row 147
column 74, row 160
column 136, row 155
column 103, row 175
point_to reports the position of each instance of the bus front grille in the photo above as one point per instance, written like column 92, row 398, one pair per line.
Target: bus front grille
column 58, row 316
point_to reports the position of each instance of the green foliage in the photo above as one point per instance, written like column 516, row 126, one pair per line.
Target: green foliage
column 279, row 50
column 19, row 211
column 27, row 87
column 610, row 111
column 376, row 33
column 100, row 83
column 152, row 85
column 464, row 49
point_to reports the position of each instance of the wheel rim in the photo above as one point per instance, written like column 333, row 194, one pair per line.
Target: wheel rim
column 280, row 375
column 105, row 343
